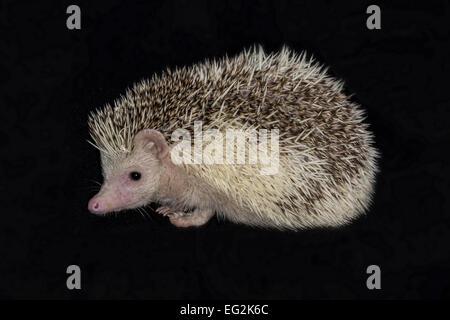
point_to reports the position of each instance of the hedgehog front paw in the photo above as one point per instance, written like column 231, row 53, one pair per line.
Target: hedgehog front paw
column 194, row 219
column 168, row 211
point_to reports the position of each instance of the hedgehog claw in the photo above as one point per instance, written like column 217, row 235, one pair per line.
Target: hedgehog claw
column 168, row 211
column 165, row 211
column 191, row 219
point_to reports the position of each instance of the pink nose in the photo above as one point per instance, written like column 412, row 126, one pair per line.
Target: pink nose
column 96, row 206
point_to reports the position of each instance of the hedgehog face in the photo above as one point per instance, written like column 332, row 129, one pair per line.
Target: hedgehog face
column 133, row 180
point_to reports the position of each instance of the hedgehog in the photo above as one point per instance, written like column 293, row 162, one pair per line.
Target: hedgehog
column 326, row 161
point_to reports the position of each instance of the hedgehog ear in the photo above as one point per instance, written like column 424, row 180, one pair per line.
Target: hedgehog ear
column 152, row 140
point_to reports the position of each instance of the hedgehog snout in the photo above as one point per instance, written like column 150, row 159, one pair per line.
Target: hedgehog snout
column 98, row 205
column 115, row 195
column 104, row 202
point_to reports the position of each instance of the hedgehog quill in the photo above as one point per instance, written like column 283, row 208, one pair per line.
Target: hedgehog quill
column 327, row 160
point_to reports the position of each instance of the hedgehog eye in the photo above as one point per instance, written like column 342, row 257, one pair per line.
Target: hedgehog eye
column 135, row 176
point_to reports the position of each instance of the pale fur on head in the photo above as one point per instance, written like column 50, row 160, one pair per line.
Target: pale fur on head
column 327, row 158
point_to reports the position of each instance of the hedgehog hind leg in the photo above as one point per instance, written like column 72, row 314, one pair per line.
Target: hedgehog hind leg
column 197, row 218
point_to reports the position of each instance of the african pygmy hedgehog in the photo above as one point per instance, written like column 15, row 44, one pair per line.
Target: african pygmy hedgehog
column 326, row 164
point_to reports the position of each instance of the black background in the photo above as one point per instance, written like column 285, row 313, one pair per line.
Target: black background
column 51, row 77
